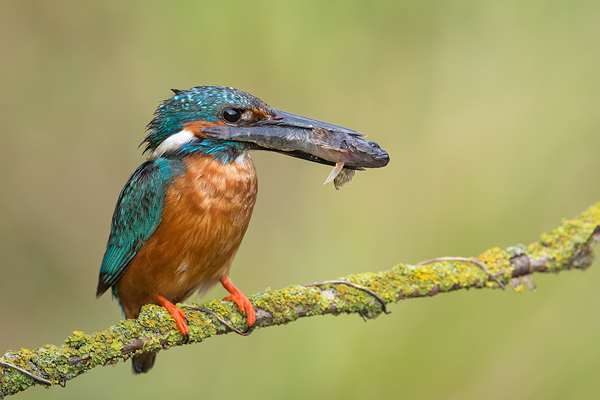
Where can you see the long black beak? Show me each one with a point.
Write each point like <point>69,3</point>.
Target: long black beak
<point>289,120</point>
<point>306,138</point>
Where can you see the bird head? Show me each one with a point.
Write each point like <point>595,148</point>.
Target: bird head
<point>180,119</point>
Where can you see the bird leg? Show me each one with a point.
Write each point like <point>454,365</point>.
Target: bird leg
<point>177,314</point>
<point>240,299</point>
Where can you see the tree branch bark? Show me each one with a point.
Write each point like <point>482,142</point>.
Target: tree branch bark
<point>567,247</point>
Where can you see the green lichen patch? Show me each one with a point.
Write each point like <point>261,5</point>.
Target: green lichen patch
<point>497,261</point>
<point>519,288</point>
<point>561,244</point>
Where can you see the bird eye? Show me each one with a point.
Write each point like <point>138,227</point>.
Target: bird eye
<point>374,145</point>
<point>231,115</point>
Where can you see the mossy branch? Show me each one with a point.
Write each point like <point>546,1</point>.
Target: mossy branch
<point>567,247</point>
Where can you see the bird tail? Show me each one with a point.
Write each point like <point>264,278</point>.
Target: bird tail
<point>143,362</point>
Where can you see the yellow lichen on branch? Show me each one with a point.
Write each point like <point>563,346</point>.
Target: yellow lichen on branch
<point>568,246</point>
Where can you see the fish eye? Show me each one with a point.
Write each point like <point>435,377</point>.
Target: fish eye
<point>232,115</point>
<point>374,145</point>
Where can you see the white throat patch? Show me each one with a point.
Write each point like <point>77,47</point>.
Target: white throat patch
<point>173,142</point>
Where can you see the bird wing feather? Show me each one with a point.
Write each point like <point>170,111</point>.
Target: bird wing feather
<point>136,217</point>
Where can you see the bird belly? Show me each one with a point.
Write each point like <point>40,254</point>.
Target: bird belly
<point>206,213</point>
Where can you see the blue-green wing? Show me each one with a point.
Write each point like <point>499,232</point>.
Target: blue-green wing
<point>137,215</point>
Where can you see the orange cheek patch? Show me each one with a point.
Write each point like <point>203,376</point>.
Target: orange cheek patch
<point>261,114</point>
<point>196,128</point>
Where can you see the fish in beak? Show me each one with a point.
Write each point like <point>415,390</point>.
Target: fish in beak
<point>311,140</point>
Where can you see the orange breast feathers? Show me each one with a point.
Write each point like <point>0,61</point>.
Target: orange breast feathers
<point>205,216</point>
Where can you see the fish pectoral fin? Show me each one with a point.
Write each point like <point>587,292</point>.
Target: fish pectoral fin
<point>338,167</point>
<point>344,178</point>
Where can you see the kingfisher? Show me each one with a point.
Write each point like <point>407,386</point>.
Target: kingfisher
<point>181,217</point>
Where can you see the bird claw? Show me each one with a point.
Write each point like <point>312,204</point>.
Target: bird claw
<point>244,305</point>
<point>177,314</point>
<point>240,299</point>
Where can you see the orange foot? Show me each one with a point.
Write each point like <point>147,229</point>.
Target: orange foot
<point>240,299</point>
<point>177,314</point>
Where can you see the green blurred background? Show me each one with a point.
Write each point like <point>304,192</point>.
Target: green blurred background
<point>489,110</point>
